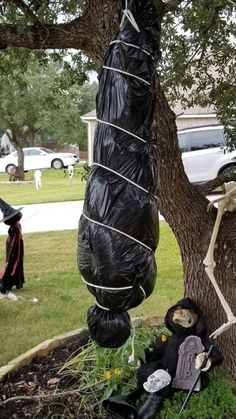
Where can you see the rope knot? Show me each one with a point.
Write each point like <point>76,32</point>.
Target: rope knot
<point>129,15</point>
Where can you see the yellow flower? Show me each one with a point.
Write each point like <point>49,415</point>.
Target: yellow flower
<point>117,371</point>
<point>163,338</point>
<point>108,374</point>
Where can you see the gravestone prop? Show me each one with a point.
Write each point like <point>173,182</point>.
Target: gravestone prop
<point>176,354</point>
<point>186,372</point>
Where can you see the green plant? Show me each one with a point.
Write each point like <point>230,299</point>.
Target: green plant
<point>101,371</point>
<point>85,172</point>
<point>216,401</point>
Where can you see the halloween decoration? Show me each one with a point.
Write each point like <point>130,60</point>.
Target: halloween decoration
<point>225,203</point>
<point>118,230</point>
<point>173,362</point>
<point>13,271</point>
<point>201,364</point>
<point>181,354</point>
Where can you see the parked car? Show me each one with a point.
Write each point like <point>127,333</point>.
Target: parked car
<point>204,152</point>
<point>38,158</point>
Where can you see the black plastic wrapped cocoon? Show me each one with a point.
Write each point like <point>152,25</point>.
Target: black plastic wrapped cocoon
<point>119,227</point>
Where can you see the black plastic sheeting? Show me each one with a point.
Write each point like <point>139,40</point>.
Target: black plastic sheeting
<point>119,228</point>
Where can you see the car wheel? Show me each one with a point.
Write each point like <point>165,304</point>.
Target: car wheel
<point>9,168</point>
<point>57,164</point>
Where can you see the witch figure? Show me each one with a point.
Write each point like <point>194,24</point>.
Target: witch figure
<point>12,274</point>
<point>119,229</point>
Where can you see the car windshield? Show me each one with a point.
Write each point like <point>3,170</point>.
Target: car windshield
<point>47,150</point>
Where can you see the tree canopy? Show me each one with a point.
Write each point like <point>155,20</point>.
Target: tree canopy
<point>39,103</point>
<point>198,44</point>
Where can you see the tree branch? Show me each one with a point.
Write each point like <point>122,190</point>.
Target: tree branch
<point>227,176</point>
<point>161,7</point>
<point>90,32</point>
<point>171,6</point>
<point>27,11</point>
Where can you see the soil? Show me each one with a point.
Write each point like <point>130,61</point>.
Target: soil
<point>41,376</point>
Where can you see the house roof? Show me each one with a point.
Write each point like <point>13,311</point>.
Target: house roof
<point>89,115</point>
<point>178,110</point>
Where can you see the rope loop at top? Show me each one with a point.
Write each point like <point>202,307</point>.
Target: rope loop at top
<point>129,15</point>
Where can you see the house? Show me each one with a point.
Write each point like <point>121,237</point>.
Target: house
<point>185,118</point>
<point>6,146</point>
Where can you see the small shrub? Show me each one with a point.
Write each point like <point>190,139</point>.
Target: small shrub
<point>85,172</point>
<point>100,371</point>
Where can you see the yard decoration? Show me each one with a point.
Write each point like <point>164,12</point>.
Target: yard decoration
<point>172,362</point>
<point>225,203</point>
<point>13,271</point>
<point>119,228</point>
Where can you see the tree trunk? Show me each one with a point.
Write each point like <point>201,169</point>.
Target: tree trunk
<point>31,136</point>
<point>14,139</point>
<point>184,207</point>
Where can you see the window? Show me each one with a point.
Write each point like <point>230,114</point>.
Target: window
<point>47,150</point>
<point>184,142</point>
<point>34,152</point>
<point>26,152</point>
<point>207,139</point>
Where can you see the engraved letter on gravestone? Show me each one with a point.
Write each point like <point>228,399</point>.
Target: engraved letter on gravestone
<point>186,371</point>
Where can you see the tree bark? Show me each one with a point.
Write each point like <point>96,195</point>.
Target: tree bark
<point>184,207</point>
<point>15,135</point>
<point>82,33</point>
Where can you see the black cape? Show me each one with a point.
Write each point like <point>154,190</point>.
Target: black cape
<point>13,270</point>
<point>164,354</point>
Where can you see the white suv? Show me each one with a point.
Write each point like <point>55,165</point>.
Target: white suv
<point>204,152</point>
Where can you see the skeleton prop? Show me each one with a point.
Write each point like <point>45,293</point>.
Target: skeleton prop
<point>225,203</point>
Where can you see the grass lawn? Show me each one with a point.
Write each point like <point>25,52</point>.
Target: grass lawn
<point>56,187</point>
<point>51,276</point>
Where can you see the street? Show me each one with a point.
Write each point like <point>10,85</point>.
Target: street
<point>55,216</point>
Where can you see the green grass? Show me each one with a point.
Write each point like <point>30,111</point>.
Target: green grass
<point>51,276</point>
<point>216,401</point>
<point>56,187</point>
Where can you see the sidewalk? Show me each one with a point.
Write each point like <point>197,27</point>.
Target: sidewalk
<point>48,217</point>
<point>54,216</point>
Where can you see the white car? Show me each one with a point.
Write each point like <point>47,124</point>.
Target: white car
<point>204,152</point>
<point>38,158</point>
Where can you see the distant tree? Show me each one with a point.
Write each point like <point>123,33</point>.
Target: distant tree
<point>41,100</point>
<point>64,121</point>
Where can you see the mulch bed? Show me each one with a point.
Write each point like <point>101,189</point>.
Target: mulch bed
<point>40,377</point>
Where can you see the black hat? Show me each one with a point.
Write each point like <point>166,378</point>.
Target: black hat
<point>8,211</point>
